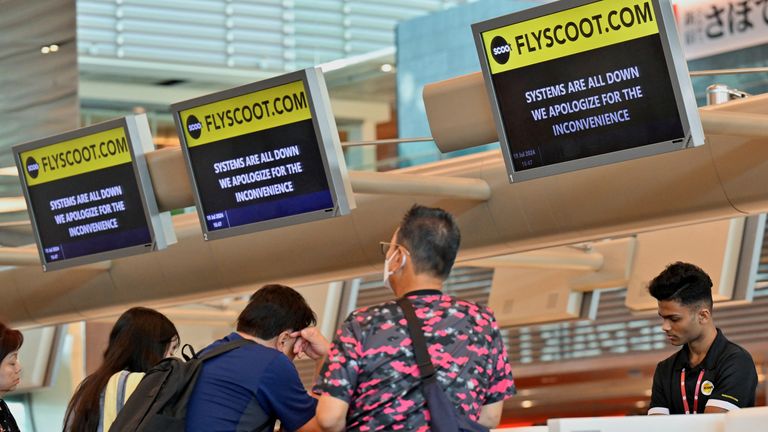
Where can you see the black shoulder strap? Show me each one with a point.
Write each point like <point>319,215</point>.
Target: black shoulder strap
<point>192,354</point>
<point>426,368</point>
<point>222,348</point>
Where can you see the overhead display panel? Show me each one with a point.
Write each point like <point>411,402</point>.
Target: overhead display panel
<point>264,155</point>
<point>89,194</point>
<point>580,83</point>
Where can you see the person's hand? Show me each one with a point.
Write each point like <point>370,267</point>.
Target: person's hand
<point>310,343</point>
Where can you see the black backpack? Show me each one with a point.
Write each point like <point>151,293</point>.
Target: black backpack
<point>444,416</point>
<point>159,402</point>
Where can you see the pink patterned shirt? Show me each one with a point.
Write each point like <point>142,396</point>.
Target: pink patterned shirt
<point>371,364</point>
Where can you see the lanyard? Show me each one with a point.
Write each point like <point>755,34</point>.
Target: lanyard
<point>695,394</point>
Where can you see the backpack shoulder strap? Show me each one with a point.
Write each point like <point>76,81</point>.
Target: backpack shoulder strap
<point>119,388</point>
<point>144,396</point>
<point>426,368</point>
<point>223,348</point>
<point>192,354</point>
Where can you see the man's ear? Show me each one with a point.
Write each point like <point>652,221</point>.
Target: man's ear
<point>283,338</point>
<point>397,260</point>
<point>704,314</point>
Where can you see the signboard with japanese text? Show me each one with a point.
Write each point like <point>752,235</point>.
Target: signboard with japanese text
<point>89,194</point>
<point>710,27</point>
<point>264,155</point>
<point>575,84</point>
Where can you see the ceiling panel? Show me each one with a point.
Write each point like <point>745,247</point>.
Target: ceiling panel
<point>38,92</point>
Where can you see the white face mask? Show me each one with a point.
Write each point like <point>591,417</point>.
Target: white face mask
<point>388,273</point>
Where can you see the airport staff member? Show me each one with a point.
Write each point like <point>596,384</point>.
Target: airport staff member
<point>709,374</point>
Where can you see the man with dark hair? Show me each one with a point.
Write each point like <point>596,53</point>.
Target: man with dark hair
<point>709,374</point>
<point>371,380</point>
<point>249,388</point>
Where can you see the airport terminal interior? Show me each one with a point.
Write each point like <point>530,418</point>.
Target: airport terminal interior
<point>561,253</point>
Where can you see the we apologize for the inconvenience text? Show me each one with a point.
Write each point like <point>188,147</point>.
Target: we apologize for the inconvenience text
<point>552,102</point>
<point>102,202</point>
<point>275,176</point>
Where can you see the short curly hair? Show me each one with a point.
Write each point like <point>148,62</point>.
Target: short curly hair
<point>683,282</point>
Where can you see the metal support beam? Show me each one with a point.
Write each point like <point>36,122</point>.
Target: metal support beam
<point>386,141</point>
<point>733,123</point>
<point>19,256</point>
<point>548,258</point>
<point>28,256</point>
<point>173,190</point>
<point>415,184</point>
<point>470,124</point>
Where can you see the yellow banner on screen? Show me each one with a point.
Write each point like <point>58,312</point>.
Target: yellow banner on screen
<point>240,115</point>
<point>76,156</point>
<point>568,32</point>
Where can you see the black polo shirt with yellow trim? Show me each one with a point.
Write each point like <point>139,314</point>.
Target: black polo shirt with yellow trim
<point>729,381</point>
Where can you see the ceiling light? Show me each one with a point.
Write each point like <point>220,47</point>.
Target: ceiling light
<point>54,48</point>
<point>526,404</point>
<point>386,67</point>
<point>640,404</point>
<point>45,50</point>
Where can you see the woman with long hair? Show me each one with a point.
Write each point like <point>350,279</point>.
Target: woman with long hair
<point>10,373</point>
<point>140,338</point>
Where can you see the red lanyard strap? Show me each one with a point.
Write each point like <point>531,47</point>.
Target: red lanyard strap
<point>695,393</point>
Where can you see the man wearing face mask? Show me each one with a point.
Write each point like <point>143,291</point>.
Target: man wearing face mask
<point>371,380</point>
<point>249,388</point>
<point>709,374</point>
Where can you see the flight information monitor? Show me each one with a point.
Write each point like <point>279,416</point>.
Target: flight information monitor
<point>575,84</point>
<point>264,155</point>
<point>89,194</point>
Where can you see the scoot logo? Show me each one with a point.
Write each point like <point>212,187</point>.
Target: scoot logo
<point>32,167</point>
<point>194,127</point>
<point>707,387</point>
<point>500,50</point>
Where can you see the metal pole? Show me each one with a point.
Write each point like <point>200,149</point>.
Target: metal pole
<point>728,71</point>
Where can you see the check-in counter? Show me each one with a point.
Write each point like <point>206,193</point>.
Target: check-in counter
<point>524,429</point>
<point>745,420</point>
<point>674,423</point>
